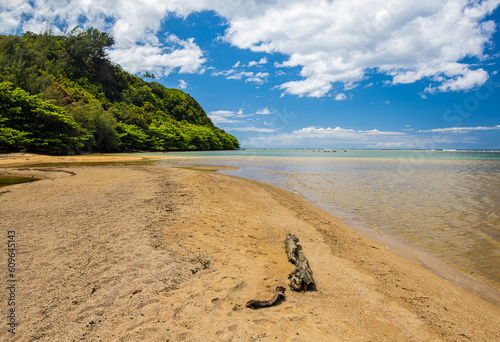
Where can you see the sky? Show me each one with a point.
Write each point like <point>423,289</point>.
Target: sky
<point>308,74</point>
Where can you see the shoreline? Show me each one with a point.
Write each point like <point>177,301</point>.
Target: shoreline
<point>483,286</point>
<point>209,242</point>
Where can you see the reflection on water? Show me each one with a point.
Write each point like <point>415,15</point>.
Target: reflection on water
<point>11,180</point>
<point>450,206</point>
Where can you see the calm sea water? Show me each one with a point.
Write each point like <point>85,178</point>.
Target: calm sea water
<point>444,202</point>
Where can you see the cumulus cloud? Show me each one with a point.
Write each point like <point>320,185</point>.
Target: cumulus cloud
<point>338,132</point>
<point>241,122</point>
<point>339,41</point>
<point>262,61</point>
<point>341,137</point>
<point>183,84</point>
<point>259,78</point>
<point>326,137</point>
<point>224,116</point>
<point>319,136</point>
<point>135,26</point>
<point>340,97</point>
<point>264,111</point>
<point>229,116</point>
<point>248,76</point>
<point>183,55</point>
<point>11,13</point>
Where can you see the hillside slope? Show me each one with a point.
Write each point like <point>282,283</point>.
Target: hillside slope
<point>102,107</point>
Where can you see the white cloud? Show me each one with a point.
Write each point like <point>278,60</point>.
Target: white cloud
<point>251,129</point>
<point>227,116</point>
<point>325,137</point>
<point>467,80</point>
<point>461,130</point>
<point>330,41</point>
<point>222,117</point>
<point>392,145</point>
<point>249,76</point>
<point>182,55</point>
<point>183,84</point>
<point>341,137</point>
<point>339,41</point>
<point>11,12</point>
<point>341,134</point>
<point>237,72</point>
<point>340,97</point>
<point>319,132</point>
<point>264,111</point>
<point>240,121</point>
<point>134,24</point>
<point>259,78</point>
<point>262,61</point>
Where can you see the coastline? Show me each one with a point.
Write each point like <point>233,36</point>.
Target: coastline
<point>483,287</point>
<point>132,252</point>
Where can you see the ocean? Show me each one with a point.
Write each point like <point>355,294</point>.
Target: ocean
<point>446,203</point>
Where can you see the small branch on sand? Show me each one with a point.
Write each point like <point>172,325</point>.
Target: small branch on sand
<point>301,278</point>
<point>278,297</point>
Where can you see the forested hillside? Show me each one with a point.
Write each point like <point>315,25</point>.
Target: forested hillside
<point>61,94</point>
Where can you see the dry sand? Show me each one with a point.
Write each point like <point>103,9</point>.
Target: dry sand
<point>143,253</point>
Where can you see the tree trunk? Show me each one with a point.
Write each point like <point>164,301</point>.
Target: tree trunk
<point>301,278</point>
<point>278,297</point>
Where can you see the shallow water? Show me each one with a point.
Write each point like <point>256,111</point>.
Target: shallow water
<point>448,207</point>
<point>444,202</point>
<point>11,180</point>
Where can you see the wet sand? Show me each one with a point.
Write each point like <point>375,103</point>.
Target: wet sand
<point>136,253</point>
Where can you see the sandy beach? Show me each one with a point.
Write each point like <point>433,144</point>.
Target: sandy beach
<point>146,253</point>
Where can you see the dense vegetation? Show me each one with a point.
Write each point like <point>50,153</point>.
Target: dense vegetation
<point>61,94</point>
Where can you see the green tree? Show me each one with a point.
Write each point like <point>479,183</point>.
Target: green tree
<point>111,108</point>
<point>228,141</point>
<point>11,139</point>
<point>20,64</point>
<point>94,121</point>
<point>41,125</point>
<point>167,136</point>
<point>132,137</point>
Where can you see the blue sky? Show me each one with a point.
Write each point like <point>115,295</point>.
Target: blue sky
<point>320,74</point>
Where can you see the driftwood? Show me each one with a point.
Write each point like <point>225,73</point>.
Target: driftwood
<point>279,295</point>
<point>301,278</point>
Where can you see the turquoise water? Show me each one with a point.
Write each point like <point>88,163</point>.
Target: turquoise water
<point>444,202</point>
<point>349,153</point>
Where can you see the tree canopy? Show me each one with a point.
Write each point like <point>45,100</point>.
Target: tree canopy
<point>61,94</point>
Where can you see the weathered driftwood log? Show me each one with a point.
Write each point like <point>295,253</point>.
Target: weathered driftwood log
<point>301,278</point>
<point>279,295</point>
